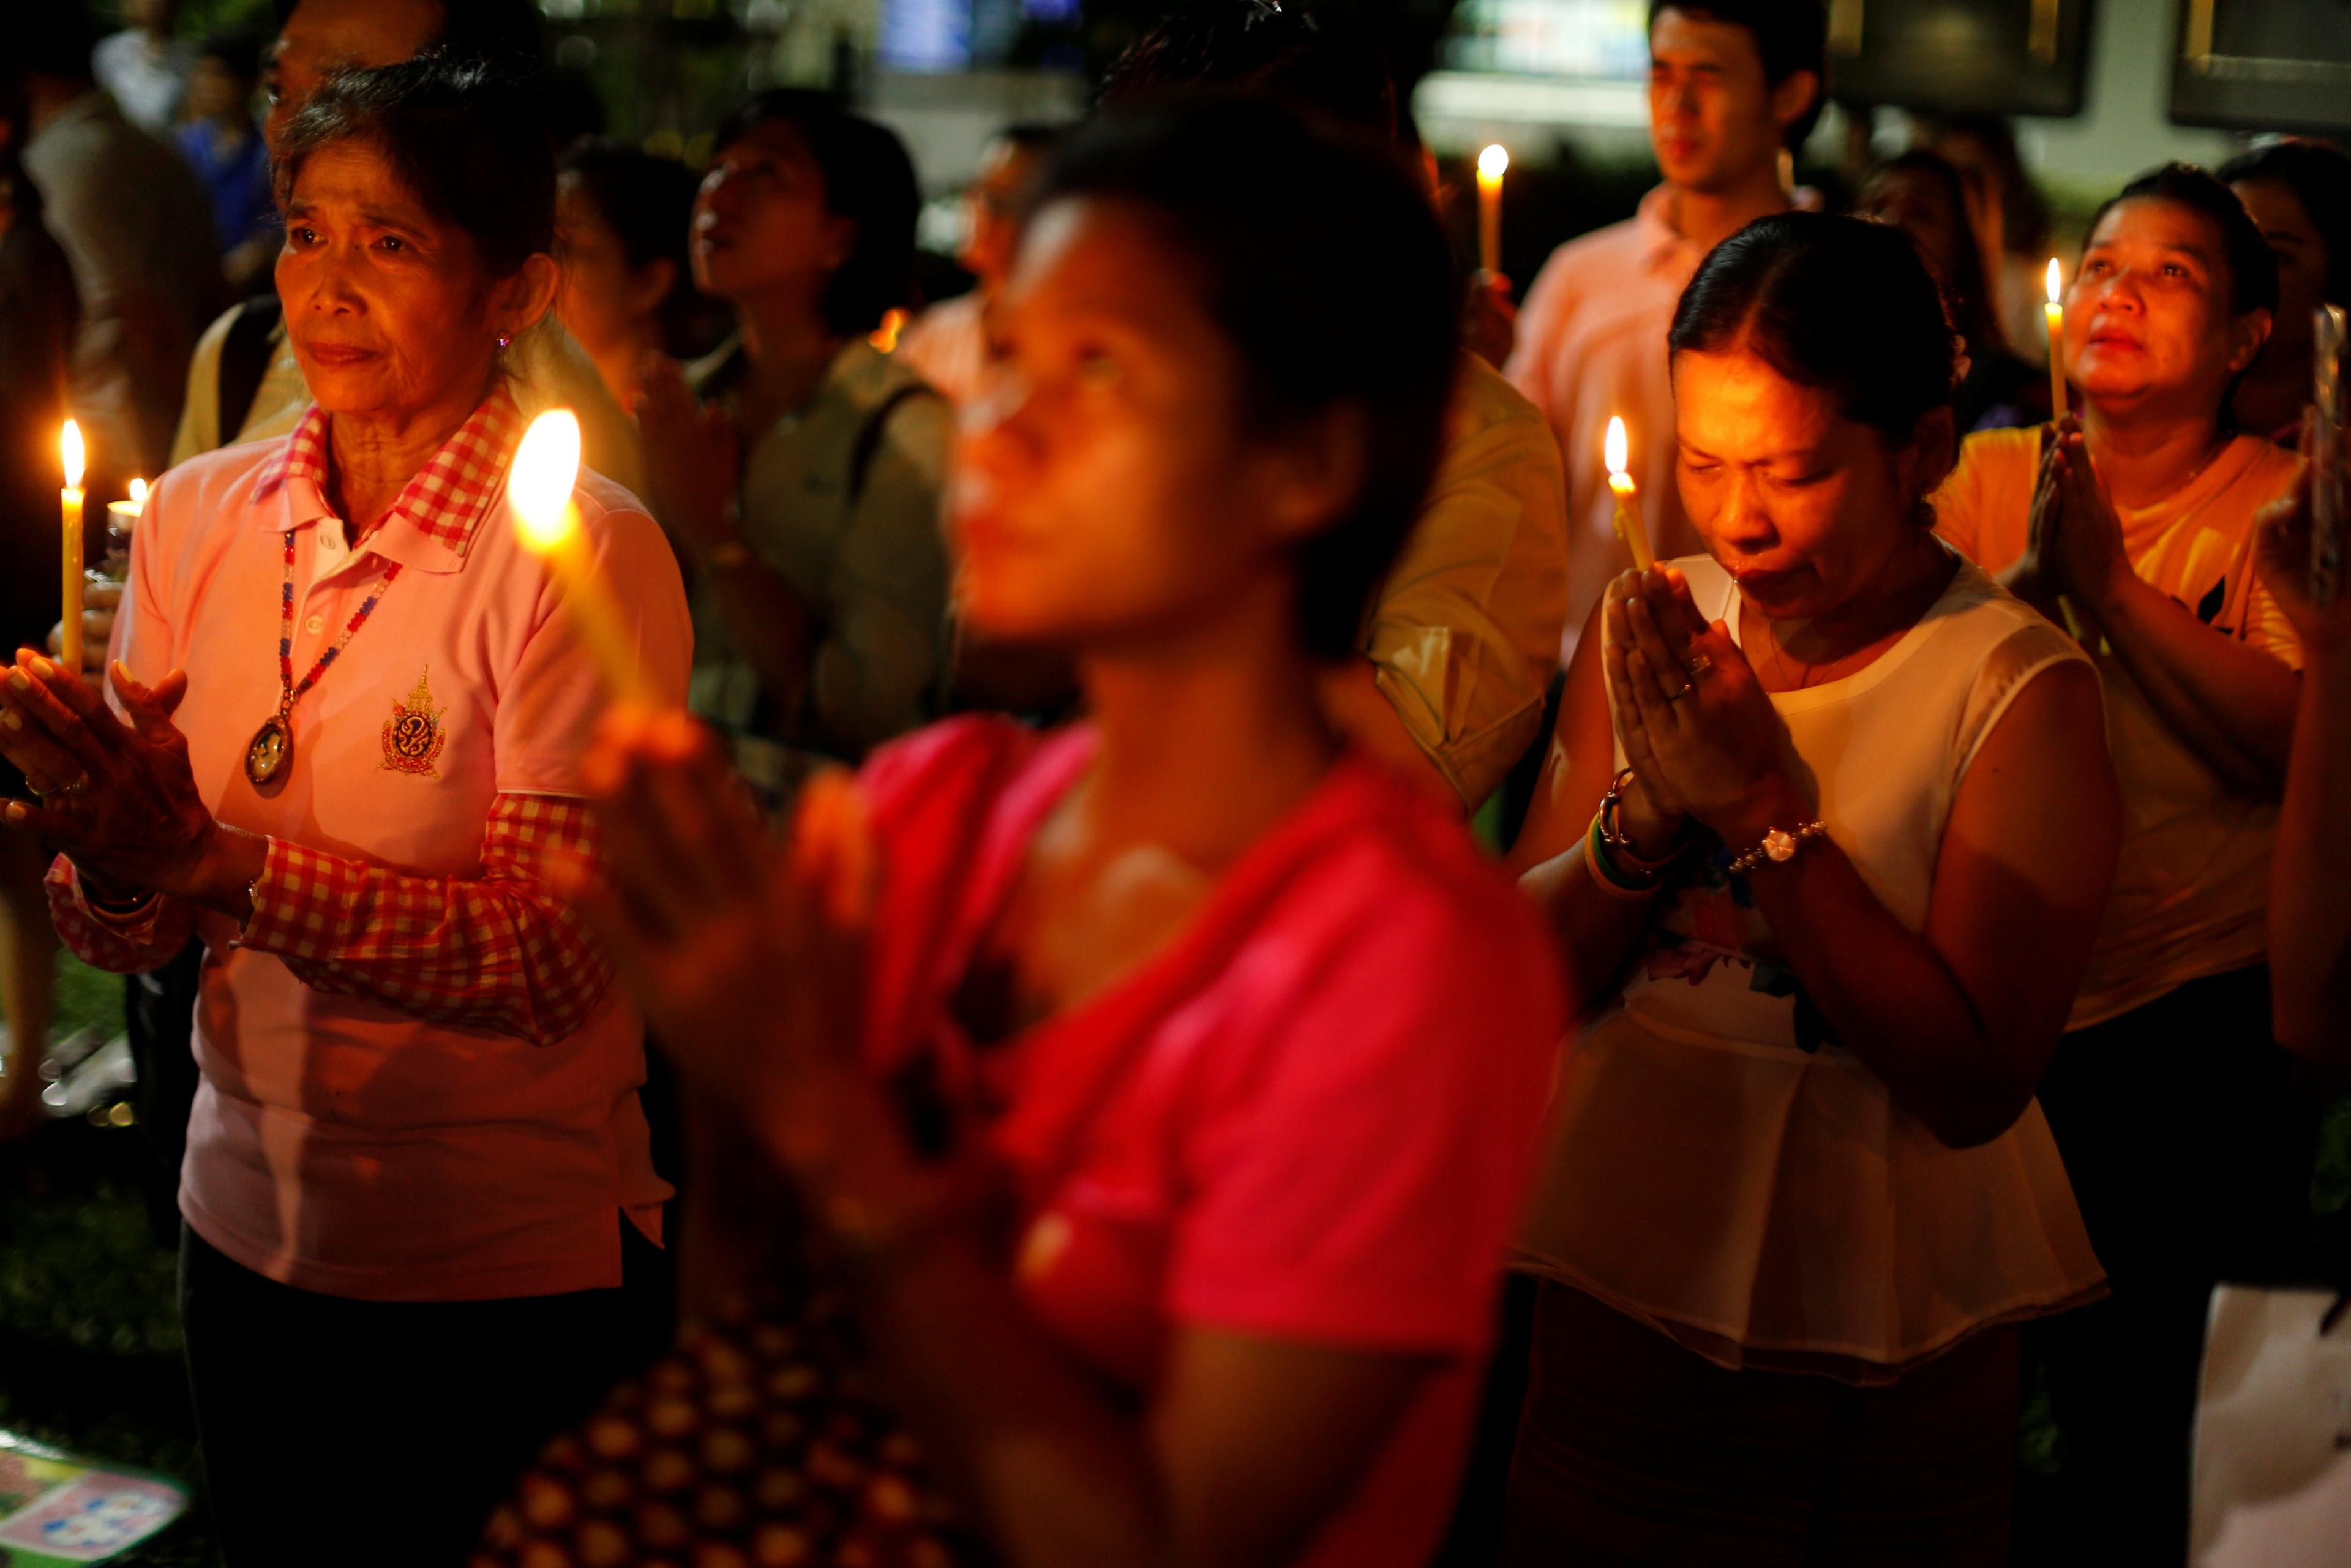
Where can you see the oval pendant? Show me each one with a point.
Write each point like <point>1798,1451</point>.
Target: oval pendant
<point>271,749</point>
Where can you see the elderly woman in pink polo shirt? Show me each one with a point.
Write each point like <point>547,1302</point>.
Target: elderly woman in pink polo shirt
<point>345,723</point>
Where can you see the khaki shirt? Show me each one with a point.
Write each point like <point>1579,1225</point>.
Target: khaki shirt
<point>544,366</point>
<point>1466,631</point>
<point>870,566</point>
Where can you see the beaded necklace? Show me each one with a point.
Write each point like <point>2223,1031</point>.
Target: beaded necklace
<point>272,747</point>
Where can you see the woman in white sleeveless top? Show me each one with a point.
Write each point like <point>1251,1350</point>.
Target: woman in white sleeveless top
<point>1827,924</point>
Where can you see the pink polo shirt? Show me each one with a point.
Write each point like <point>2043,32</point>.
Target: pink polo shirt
<point>1591,343</point>
<point>1310,1117</point>
<point>339,1144</point>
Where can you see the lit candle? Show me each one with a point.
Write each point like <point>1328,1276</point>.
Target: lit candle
<point>546,468</point>
<point>1630,527</point>
<point>886,335</point>
<point>1491,163</point>
<point>123,517</point>
<point>2055,312</point>
<point>69,498</point>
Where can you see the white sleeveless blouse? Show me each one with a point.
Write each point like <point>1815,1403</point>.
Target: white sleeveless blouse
<point>1721,1169</point>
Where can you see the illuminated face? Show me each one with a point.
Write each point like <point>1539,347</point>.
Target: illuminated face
<point>760,220</point>
<point>1103,490</point>
<point>1804,506</point>
<point>1714,122</point>
<point>2147,322</point>
<point>390,309</point>
<point>2301,260</point>
<point>322,37</point>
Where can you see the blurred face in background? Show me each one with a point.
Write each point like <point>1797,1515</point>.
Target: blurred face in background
<point>1104,490</point>
<point>1806,508</point>
<point>324,36</point>
<point>991,210</point>
<point>1920,207</point>
<point>1714,122</point>
<point>2302,261</point>
<point>760,224</point>
<point>605,303</point>
<point>2148,317</point>
<point>217,92</point>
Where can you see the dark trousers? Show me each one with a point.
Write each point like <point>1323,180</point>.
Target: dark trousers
<point>1634,1451</point>
<point>364,1433</point>
<point>2189,1155</point>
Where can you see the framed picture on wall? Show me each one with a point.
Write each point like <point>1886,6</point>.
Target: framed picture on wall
<point>1968,56</point>
<point>2264,65</point>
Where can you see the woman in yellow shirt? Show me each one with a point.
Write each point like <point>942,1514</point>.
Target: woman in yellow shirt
<point>2170,1103</point>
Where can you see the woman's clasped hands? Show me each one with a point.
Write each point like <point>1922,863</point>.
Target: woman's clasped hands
<point>747,955</point>
<point>116,797</point>
<point>1698,730</point>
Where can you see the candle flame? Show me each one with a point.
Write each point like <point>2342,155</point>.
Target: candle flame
<point>138,494</point>
<point>546,467</point>
<point>1613,449</point>
<point>2056,282</point>
<point>70,446</point>
<point>1493,161</point>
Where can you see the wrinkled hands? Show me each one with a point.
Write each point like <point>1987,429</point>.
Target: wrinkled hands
<point>119,799</point>
<point>2075,546</point>
<point>747,956</point>
<point>1698,730</point>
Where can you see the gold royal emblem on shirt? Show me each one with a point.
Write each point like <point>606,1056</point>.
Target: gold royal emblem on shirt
<point>412,736</point>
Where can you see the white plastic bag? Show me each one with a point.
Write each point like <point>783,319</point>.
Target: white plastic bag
<point>2274,1431</point>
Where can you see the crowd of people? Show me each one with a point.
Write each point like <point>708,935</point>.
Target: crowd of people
<point>1021,947</point>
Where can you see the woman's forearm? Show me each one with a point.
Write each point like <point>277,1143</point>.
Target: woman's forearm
<point>2233,703</point>
<point>2310,916</point>
<point>1594,932</point>
<point>1891,1000</point>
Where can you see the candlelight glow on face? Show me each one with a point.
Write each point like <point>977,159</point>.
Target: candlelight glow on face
<point>546,468</point>
<point>70,448</point>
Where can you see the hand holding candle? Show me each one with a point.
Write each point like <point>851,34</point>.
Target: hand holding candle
<point>1630,527</point>
<point>1491,163</point>
<point>2054,313</point>
<point>69,498</point>
<point>546,468</point>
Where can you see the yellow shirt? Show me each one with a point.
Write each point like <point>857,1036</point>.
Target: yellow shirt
<point>1466,631</point>
<point>2191,893</point>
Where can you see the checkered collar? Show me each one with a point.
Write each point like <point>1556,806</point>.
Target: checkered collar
<point>433,524</point>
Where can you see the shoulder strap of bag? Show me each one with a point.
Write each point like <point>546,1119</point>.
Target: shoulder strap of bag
<point>244,360</point>
<point>870,433</point>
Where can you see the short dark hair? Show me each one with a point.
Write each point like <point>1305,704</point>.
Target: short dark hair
<point>648,203</point>
<point>2252,269</point>
<point>1790,36</point>
<point>505,31</point>
<point>462,134</point>
<point>1973,312</point>
<point>1254,195</point>
<point>1321,59</point>
<point>2319,175</point>
<point>869,180</point>
<point>1791,286</point>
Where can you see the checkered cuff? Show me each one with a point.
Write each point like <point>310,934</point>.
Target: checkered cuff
<point>120,941</point>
